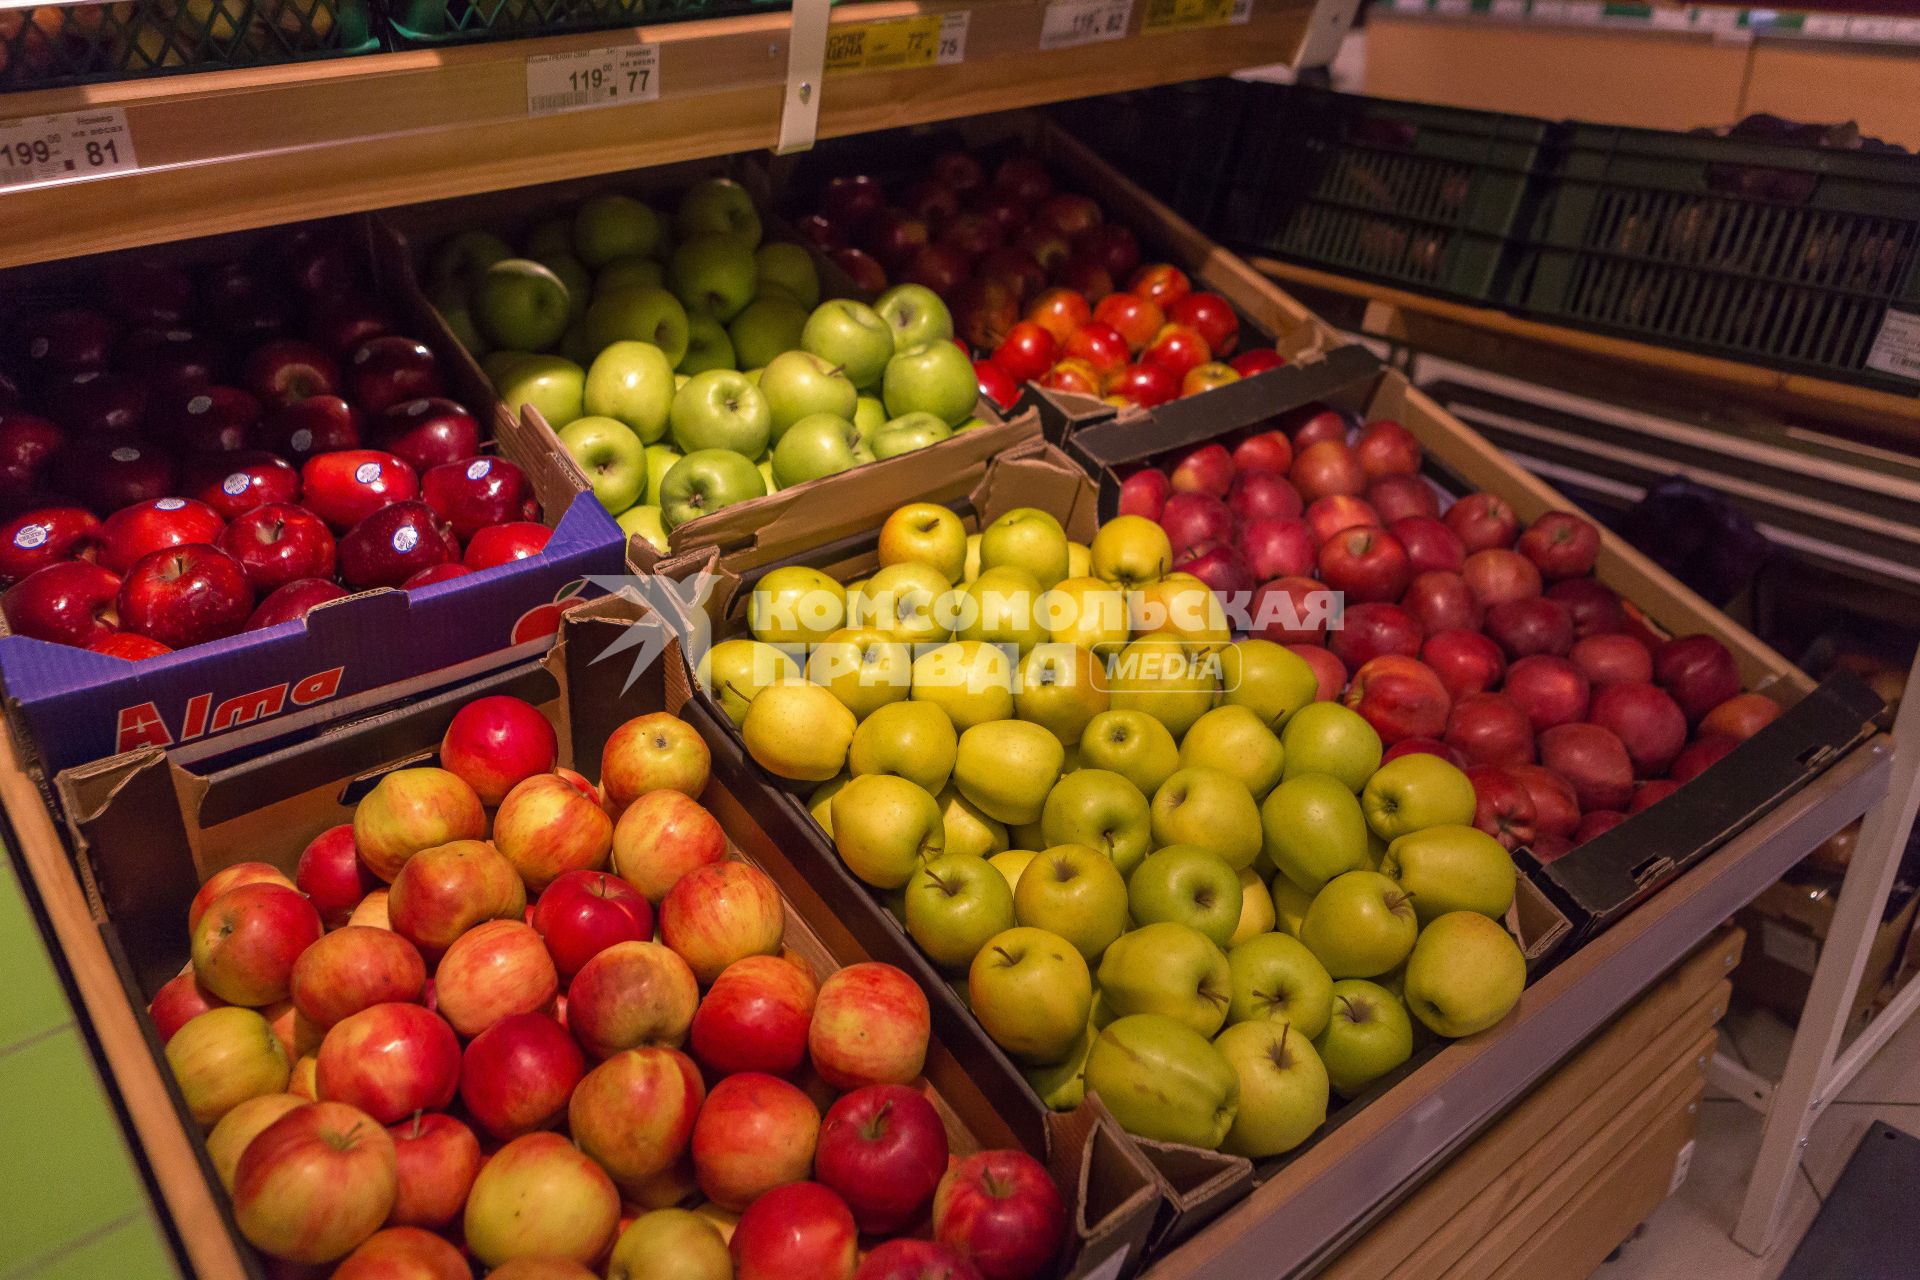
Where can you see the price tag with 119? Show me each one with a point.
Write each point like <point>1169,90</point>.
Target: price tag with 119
<point>592,78</point>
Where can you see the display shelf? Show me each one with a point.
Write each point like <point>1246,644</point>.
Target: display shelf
<point>223,151</point>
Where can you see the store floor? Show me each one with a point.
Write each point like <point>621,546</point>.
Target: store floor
<point>1688,1235</point>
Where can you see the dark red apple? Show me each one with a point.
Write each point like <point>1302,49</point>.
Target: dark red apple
<point>1263,451</point>
<point>94,402</point>
<point>1082,272</point>
<point>437,573</point>
<point>74,602</point>
<point>27,448</point>
<point>1421,747</point>
<point>1372,630</point>
<point>985,313</point>
<point>1045,246</point>
<point>1367,565</point>
<point>1595,606</point>
<point>1441,601</point>
<point>288,370</point>
<point>884,1149</point>
<point>931,201</point>
<point>1113,246</point>
<point>867,275</point>
<point>1015,268</point>
<point>243,303</point>
<point>1293,610</point>
<point>428,432</point>
<point>1262,495</point>
<point>279,543</point>
<point>1597,822</point>
<point>517,1075</point>
<point>108,474</point>
<point>171,359</point>
<point>1145,385</point>
<point>1326,468</point>
<point>1218,565</point>
<point>1701,754</point>
<point>1612,658</point>
<point>1503,807</point>
<point>344,488</point>
<point>133,532</point>
<point>820,231</point>
<point>1385,448</point>
<point>500,544</point>
<point>1027,351</point>
<point>1698,671</point>
<point>292,602</point>
<point>1530,626</point>
<point>391,544</point>
<point>1430,544</point>
<point>1404,497</point>
<point>70,339</point>
<point>390,370</point>
<point>186,595</point>
<point>1497,576</point>
<point>344,321</point>
<point>234,483</point>
<point>995,383</point>
<point>316,425</point>
<point>1561,545</point>
<point>1556,809</point>
<point>44,536</point>
<point>1328,516</point>
<point>1592,759</point>
<point>209,419</point>
<point>1400,697</point>
<point>1481,520</point>
<point>1002,1210</point>
<point>971,234</point>
<point>852,199</point>
<point>893,238</point>
<point>146,292</point>
<point>1645,719</point>
<point>1490,729</point>
<point>476,492</point>
<point>1550,690</point>
<point>1277,548</point>
<point>1193,518</point>
<point>940,267</point>
<point>1465,660</point>
<point>1651,792</point>
<point>1145,493</point>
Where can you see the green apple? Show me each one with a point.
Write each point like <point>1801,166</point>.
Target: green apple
<point>798,384</point>
<point>734,672</point>
<point>1007,767</point>
<point>705,481</point>
<point>970,829</point>
<point>633,383</point>
<point>612,458</point>
<point>1290,903</point>
<point>956,903</point>
<point>917,316</point>
<point>453,300</point>
<point>1163,1081</point>
<point>520,305</point>
<point>1086,611</point>
<point>644,522</point>
<point>1032,993</point>
<point>639,313</point>
<point>787,273</point>
<point>713,275</point>
<point>970,681</point>
<point>1415,792</point>
<point>1237,742</point>
<point>1130,552</point>
<point>629,271</point>
<point>1062,1085</point>
<point>708,346</point>
<point>1256,908</point>
<point>1061,688</point>
<point>1167,968</point>
<point>852,335</point>
<point>885,827</point>
<point>1360,926</point>
<point>1000,607</point>
<point>798,730</point>
<point>1277,979</point>
<point>819,445</point>
<point>869,415</point>
<point>1283,1088</point>
<point>1270,680</point>
<point>1132,744</point>
<point>914,740</point>
<point>1325,737</point>
<point>720,409</point>
<point>1210,809</point>
<point>1098,807</point>
<point>607,227</point>
<point>936,378</point>
<point>864,668</point>
<point>718,206</point>
<point>907,433</point>
<point>1012,863</point>
<point>796,605</point>
<point>1452,868</point>
<point>1073,891</point>
<point>1169,679</point>
<point>466,257</point>
<point>549,385</point>
<point>574,276</point>
<point>910,600</point>
<point>660,460</point>
<point>1187,884</point>
<point>1368,1035</point>
<point>1026,538</point>
<point>1313,830</point>
<point>925,533</point>
<point>1464,975</point>
<point>766,327</point>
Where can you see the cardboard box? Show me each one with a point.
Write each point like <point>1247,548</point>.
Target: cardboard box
<point>1789,923</point>
<point>147,831</point>
<point>68,706</point>
<point>1268,315</point>
<point>1605,877</point>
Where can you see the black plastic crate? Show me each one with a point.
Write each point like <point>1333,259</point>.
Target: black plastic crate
<point>1176,141</point>
<point>1400,192</point>
<point>52,45</point>
<point>441,22</point>
<point>1783,255</point>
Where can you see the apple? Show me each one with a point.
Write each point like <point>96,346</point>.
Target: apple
<point>201,418</point>
<point>75,602</point>
<point>288,370</point>
<point>766,327</point>
<point>1368,565</point>
<point>1561,545</point>
<point>1191,519</point>
<point>428,432</point>
<point>1503,807</point>
<point>1160,283</point>
<point>1002,1212</point>
<point>1032,992</point>
<point>178,1001</point>
<point>410,1252</point>
<point>315,425</point>
<point>861,267</point>
<point>1482,521</point>
<point>631,995</point>
<point>390,1060</point>
<point>1451,867</point>
<point>1550,690</point>
<point>386,371</point>
<point>935,378</point>
<point>181,596</point>
<point>71,338</point>
<point>707,480</point>
<point>1027,351</point>
<point>1293,610</point>
<point>1405,497</point>
<point>240,1126</point>
<point>1612,658</point>
<point>546,828</point>
<point>1360,925</point>
<point>1283,1088</point>
<point>495,969</point>
<point>1698,671</point>
<point>1741,716</point>
<point>1464,975</point>
<point>718,206</point>
<point>391,545</point>
<point>1331,740</point>
<point>1262,495</point>
<point>1210,809</point>
<point>238,482</point>
<point>1593,760</point>
<point>800,1229</point>
<point>1178,348</point>
<point>1210,315</point>
<point>1374,630</point>
<point>915,1260</point>
<point>47,535</point>
<point>883,1149</point>
<point>718,913</point>
<point>1465,661</point>
<point>755,1017</point>
<point>798,730</point>
<point>1368,1035</point>
<point>755,1132</point>
<point>1077,893</point>
<point>635,1113</point>
<point>1490,729</point>
<point>1078,378</point>
<point>437,1159</point>
<point>870,1026</point>
<point>1167,968</point>
<point>635,312</point>
<point>689,1245</point>
<point>1530,626</point>
<point>1414,793</point>
<point>315,1183</point>
<point>541,1196</point>
<point>1556,808</point>
<point>1499,576</point>
<point>496,742</point>
<point>787,268</point>
<point>1163,1081</point>
<point>355,968</point>
<point>1649,724</point>
<point>996,384</point>
<point>1190,885</point>
<point>852,336</point>
<point>446,889</point>
<point>1701,754</point>
<point>1441,601</point>
<point>246,942</point>
<point>1595,607</point>
<point>106,474</point>
<point>278,543</point>
<point>1338,512</point>
<point>915,313</point>
<point>583,912</point>
<point>660,837</point>
<point>224,1056</point>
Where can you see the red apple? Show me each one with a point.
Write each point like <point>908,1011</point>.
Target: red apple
<point>238,482</point>
<point>1330,515</point>
<point>386,371</point>
<point>940,267</point>
<point>1550,690</point>
<point>1612,658</point>
<point>1060,312</point>
<point>1210,315</point>
<point>1258,360</point>
<point>446,889</point>
<point>1263,451</point>
<point>1385,448</point>
<point>755,1017</point>
<point>1700,755</point>
<point>582,913</point>
<point>1074,377</point>
<point>1741,716</point>
<point>392,543</point>
<point>477,492</point>
<point>1192,518</point>
<point>178,1001</point>
<point>870,1026</point>
<point>1132,317</point>
<point>1368,565</point>
<point>1014,268</point>
<point>1530,626</point>
<point>346,487</point>
<point>185,595</point>
<point>1651,792</point>
<point>1294,610</point>
<point>435,573</point>
<point>1441,601</point>
<point>518,1074</point>
<point>1465,660</point>
<point>1330,674</point>
<point>494,970</point>
<point>330,874</point>
<point>1161,284</point>
<point>972,234</point>
<point>1556,809</point>
<point>893,238</point>
<point>44,536</point>
<point>651,752</point>
<point>133,648</point>
<point>1498,576</point>
<point>1595,606</point>
<point>662,836</point>
<point>1597,822</point>
<point>1404,497</point>
<point>134,532</point>
<point>494,743</point>
<point>1045,246</point>
<point>1326,468</point>
<point>1698,671</point>
<point>718,913</point>
<point>820,231</point>
<point>355,968</point>
<point>1400,697</point>
<point>1646,720</point>
<point>96,403</point>
<point>1145,385</point>
<point>227,879</point>
<point>245,303</point>
<point>436,1158</point>
<point>209,419</point>
<point>1421,747</point>
<point>27,448</point>
<point>1593,761</point>
<point>288,370</point>
<point>995,383</point>
<point>1178,348</point>
<point>144,291</point>
<point>884,1150</point>
<point>756,1132</point>
<point>632,995</point>
<point>246,942</point>
<point>1101,346</point>
<point>1277,548</point>
<point>1003,1212</point>
<point>867,275</point>
<point>931,201</point>
<point>1218,565</point>
<point>306,428</point>
<point>1372,630</point>
<point>1503,807</point>
<point>1145,493</point>
<point>1481,520</point>
<point>428,432</point>
<point>1561,545</point>
<point>850,200</point>
<point>343,321</point>
<point>293,601</point>
<point>1113,246</point>
<point>915,1260</point>
<point>801,1229</point>
<point>1084,274</point>
<point>390,1060</point>
<point>1313,424</point>
<point>501,544</point>
<point>315,1183</point>
<point>278,544</point>
<point>70,339</point>
<point>1027,351</point>
<point>1490,729</point>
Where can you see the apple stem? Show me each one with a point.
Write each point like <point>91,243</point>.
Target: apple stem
<point>734,689</point>
<point>413,1130</point>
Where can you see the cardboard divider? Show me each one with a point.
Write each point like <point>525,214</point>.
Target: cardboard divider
<point>146,832</point>
<point>68,706</point>
<point>1601,879</point>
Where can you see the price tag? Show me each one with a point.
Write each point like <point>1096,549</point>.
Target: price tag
<point>932,40</point>
<point>1825,26</point>
<point>1896,348</point>
<point>1186,15</point>
<point>592,78</point>
<point>44,150</point>
<point>1069,23</point>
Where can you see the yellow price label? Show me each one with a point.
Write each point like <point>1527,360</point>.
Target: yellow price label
<point>933,39</point>
<point>1181,15</point>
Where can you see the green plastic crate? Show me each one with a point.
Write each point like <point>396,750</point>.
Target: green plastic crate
<point>1400,192</point>
<point>441,22</point>
<point>52,45</point>
<point>1782,255</point>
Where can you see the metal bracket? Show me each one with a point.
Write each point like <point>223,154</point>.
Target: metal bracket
<point>1328,26</point>
<point>806,74</point>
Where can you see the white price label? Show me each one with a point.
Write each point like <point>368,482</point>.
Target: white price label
<point>44,150</point>
<point>591,78</point>
<point>1896,348</point>
<point>953,38</point>
<point>1825,26</point>
<point>1069,23</point>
